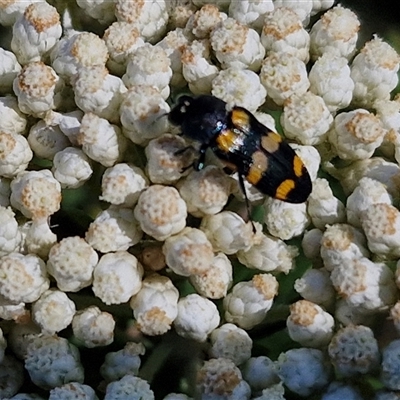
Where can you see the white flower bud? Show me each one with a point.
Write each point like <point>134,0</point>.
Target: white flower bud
<point>248,302</point>
<point>93,327</point>
<point>12,120</point>
<point>250,13</point>
<point>71,263</point>
<point>390,366</point>
<point>100,140</point>
<point>100,10</point>
<point>36,32</point>
<point>136,387</point>
<point>114,229</point>
<point>11,11</point>
<point>309,325</point>
<point>197,317</point>
<point>22,278</point>
<point>311,245</point>
<point>38,89</point>
<point>161,211</point>
<point>71,167</point>
<point>69,123</point>
<point>239,87</point>
<point>15,154</point>
<point>283,75</point>
<point>155,306</point>
<point>117,277</point>
<point>53,311</point>
<point>10,236</point>
<point>76,389</point>
<point>204,20</point>
<point>122,184</point>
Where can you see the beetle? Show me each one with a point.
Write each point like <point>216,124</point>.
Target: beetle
<point>245,145</point>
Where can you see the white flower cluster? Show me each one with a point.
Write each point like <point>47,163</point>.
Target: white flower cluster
<point>108,236</point>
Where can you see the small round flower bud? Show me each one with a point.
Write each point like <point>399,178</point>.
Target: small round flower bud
<point>71,263</point>
<point>53,311</point>
<point>12,120</point>
<point>250,13</point>
<point>114,229</point>
<point>72,389</point>
<point>117,277</point>
<point>155,306</point>
<point>311,245</point>
<point>137,387</point>
<point>189,252</point>
<point>71,167</point>
<point>36,194</point>
<point>93,327</point>
<point>15,154</point>
<point>161,211</point>
<point>122,184</point>
<point>100,10</point>
<point>197,317</point>
<point>204,20</point>
<point>10,236</point>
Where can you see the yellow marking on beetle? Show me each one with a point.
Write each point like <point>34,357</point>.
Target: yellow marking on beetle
<point>271,142</point>
<point>284,189</point>
<point>298,166</point>
<point>227,140</point>
<point>258,167</point>
<point>240,118</point>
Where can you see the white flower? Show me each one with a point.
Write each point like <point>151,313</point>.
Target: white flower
<point>122,39</point>
<point>76,389</point>
<point>197,67</point>
<point>149,66</point>
<point>93,327</point>
<point>205,191</point>
<point>36,194</point>
<point>10,236</point>
<point>302,8</point>
<point>283,75</point>
<point>141,114</point>
<point>340,244</point>
<point>330,79</point>
<point>311,245</point>
<point>369,191</point>
<point>122,362</point>
<point>390,365</point>
<point>52,361</point>
<point>53,311</point>
<point>100,10</point>
<point>69,123</point>
<point>117,277</point>
<point>336,32</point>
<point>9,69</point>
<point>46,140</point>
<point>36,32</point>
<point>38,89</point>
<point>155,306</point>
<point>374,72</point>
<point>168,158</point>
<point>282,31</point>
<point>76,50</point>
<point>22,278</point>
<point>220,378</point>
<point>239,87</point>
<point>381,224</point>
<point>229,341</point>
<point>197,317</point>
<point>71,167</point>
<point>204,20</point>
<point>215,282</point>
<point>11,312</point>
<point>137,387</point>
<point>161,212</point>
<point>364,284</point>
<point>354,350</point>
<point>270,254</point>
<point>316,286</point>
<point>292,221</point>
<point>309,325</point>
<point>71,263</point>
<point>100,140</point>
<point>10,12</point>
<point>306,118</point>
<point>356,134</point>
<point>15,154</point>
<point>114,229</point>
<point>248,302</point>
<point>304,371</point>
<point>96,91</point>
<point>323,207</point>
<point>189,252</point>
<point>236,45</point>
<point>150,17</point>
<point>227,232</point>
<point>12,120</point>
<point>250,12</point>
<point>122,184</point>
